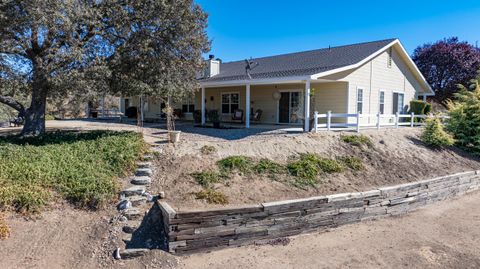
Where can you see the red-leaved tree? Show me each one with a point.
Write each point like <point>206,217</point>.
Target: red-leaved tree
<point>447,63</point>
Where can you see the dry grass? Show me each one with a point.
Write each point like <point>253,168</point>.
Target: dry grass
<point>4,228</point>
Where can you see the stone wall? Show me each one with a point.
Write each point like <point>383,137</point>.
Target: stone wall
<point>190,231</point>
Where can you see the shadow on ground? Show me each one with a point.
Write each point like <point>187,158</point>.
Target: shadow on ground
<point>150,234</point>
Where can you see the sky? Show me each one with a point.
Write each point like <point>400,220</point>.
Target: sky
<point>241,29</point>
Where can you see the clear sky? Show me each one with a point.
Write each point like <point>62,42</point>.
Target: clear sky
<point>242,29</point>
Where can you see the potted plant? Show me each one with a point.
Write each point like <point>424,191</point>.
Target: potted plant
<point>173,135</point>
<point>214,117</point>
<point>197,116</point>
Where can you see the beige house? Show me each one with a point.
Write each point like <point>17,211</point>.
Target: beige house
<point>366,78</point>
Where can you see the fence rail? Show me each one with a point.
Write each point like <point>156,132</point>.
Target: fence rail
<point>395,120</point>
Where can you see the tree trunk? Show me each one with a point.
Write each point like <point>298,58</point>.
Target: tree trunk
<point>35,114</point>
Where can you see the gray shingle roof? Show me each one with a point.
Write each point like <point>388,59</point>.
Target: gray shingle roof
<point>300,63</point>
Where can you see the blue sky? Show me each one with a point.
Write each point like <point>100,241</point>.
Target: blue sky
<point>241,29</point>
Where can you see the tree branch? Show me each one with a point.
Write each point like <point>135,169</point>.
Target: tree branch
<point>11,102</point>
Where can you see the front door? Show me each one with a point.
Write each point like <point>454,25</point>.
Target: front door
<point>290,107</point>
<point>284,108</point>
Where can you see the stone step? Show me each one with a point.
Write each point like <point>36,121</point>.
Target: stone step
<point>130,227</point>
<point>124,204</point>
<point>132,253</point>
<point>144,164</point>
<point>142,180</point>
<point>132,213</point>
<point>147,157</point>
<point>135,190</point>
<point>141,172</point>
<point>137,200</point>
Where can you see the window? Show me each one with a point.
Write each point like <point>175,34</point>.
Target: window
<point>398,102</point>
<point>389,60</point>
<point>360,101</point>
<point>188,106</point>
<point>230,102</point>
<point>381,102</point>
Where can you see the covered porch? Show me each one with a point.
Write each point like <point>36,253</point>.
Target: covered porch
<point>274,103</point>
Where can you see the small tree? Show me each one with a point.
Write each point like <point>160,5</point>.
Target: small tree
<point>434,135</point>
<point>464,112</point>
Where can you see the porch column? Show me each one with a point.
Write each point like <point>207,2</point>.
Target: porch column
<point>306,126</point>
<point>424,98</point>
<point>203,105</point>
<point>247,106</point>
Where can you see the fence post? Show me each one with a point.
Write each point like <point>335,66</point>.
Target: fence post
<point>396,120</point>
<point>315,121</point>
<point>329,120</point>
<point>378,121</point>
<point>412,119</point>
<point>358,122</point>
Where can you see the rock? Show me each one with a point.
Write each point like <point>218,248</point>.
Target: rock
<point>116,254</point>
<point>126,238</point>
<point>135,190</point>
<point>132,213</point>
<point>144,164</point>
<point>141,180</point>
<point>148,196</point>
<point>137,200</point>
<point>133,253</point>
<point>130,228</point>
<point>124,204</point>
<point>147,157</point>
<point>122,218</point>
<point>161,195</point>
<point>141,172</point>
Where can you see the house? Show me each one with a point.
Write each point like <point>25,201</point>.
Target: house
<point>368,78</point>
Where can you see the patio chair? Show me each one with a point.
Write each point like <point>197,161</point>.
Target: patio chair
<point>257,115</point>
<point>238,115</point>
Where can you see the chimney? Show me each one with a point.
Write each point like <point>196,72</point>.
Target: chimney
<point>213,66</point>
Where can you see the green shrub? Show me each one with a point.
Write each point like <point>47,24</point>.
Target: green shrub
<point>352,162</point>
<point>419,107</point>
<point>357,140</point>
<point>79,167</point>
<point>309,167</point>
<point>329,166</point>
<point>269,167</point>
<point>207,150</point>
<point>207,178</point>
<point>434,135</point>
<point>212,196</point>
<point>241,163</point>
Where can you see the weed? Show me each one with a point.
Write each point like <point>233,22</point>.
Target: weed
<point>207,178</point>
<point>268,166</point>
<point>309,167</point>
<point>357,140</point>
<point>329,166</point>
<point>352,162</point>
<point>4,228</point>
<point>207,150</point>
<point>212,196</point>
<point>241,163</point>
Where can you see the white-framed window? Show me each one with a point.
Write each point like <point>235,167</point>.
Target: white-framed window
<point>398,102</point>
<point>230,102</point>
<point>360,101</point>
<point>381,102</point>
<point>389,60</point>
<point>188,106</point>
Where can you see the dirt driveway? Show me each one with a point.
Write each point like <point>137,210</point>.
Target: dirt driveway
<point>444,235</point>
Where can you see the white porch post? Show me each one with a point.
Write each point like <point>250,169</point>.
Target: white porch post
<point>306,126</point>
<point>247,106</point>
<point>203,105</point>
<point>424,98</point>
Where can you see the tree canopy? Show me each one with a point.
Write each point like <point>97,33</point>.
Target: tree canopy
<point>447,63</point>
<point>55,47</point>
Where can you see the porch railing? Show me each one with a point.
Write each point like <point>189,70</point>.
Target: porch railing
<point>373,120</point>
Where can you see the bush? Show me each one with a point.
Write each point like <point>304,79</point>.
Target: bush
<point>207,178</point>
<point>352,162</point>
<point>464,122</point>
<point>357,140</point>
<point>79,167</point>
<point>241,163</point>
<point>207,150</point>
<point>309,167</point>
<point>212,196</point>
<point>434,135</point>
<point>268,166</point>
<point>420,107</point>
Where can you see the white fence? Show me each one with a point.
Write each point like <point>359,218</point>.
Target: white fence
<point>373,120</point>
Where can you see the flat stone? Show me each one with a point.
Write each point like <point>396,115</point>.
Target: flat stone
<point>147,157</point>
<point>135,190</point>
<point>141,172</point>
<point>161,195</point>
<point>144,180</point>
<point>130,228</point>
<point>133,253</point>
<point>132,213</point>
<point>137,200</point>
<point>124,204</point>
<point>144,164</point>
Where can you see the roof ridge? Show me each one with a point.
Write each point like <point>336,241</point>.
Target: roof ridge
<point>306,51</point>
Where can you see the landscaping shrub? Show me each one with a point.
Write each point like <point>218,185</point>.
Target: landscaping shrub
<point>352,162</point>
<point>329,166</point>
<point>4,229</point>
<point>464,122</point>
<point>207,150</point>
<point>268,166</point>
<point>419,107</point>
<point>79,167</point>
<point>207,178</point>
<point>434,135</point>
<point>309,167</point>
<point>212,196</point>
<point>357,140</point>
<point>241,163</point>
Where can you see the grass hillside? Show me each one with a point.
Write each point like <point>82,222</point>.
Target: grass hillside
<point>79,167</point>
